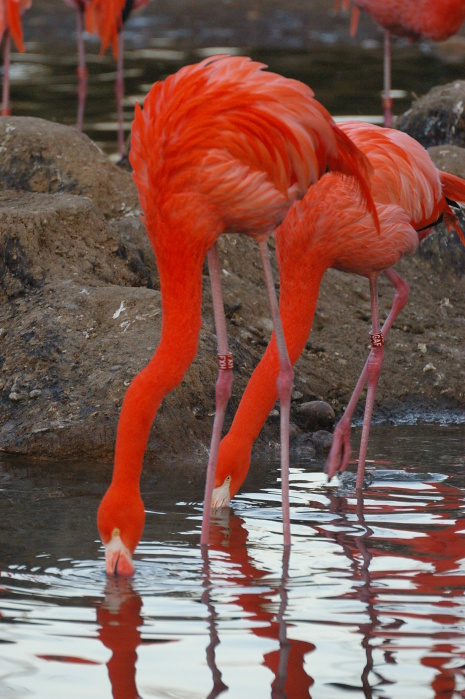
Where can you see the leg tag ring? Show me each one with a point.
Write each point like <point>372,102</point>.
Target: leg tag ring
<point>225,361</point>
<point>377,339</point>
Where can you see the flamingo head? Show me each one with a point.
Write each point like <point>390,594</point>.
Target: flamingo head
<point>231,470</point>
<point>120,522</point>
<point>221,494</point>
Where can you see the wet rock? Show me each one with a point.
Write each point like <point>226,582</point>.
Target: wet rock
<point>302,446</point>
<point>314,415</point>
<point>322,441</point>
<point>294,430</point>
<point>438,117</point>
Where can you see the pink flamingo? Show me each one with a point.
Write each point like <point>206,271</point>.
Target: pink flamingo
<point>328,229</point>
<point>219,146</point>
<point>436,20</point>
<point>106,18</point>
<point>10,26</point>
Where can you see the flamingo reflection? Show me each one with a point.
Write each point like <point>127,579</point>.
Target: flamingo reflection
<point>228,535</point>
<point>119,619</point>
<point>438,579</point>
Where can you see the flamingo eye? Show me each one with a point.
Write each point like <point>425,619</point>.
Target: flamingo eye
<point>115,532</point>
<point>227,479</point>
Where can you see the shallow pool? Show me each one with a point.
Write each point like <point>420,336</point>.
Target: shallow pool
<point>370,601</point>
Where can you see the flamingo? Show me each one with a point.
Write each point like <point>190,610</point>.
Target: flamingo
<point>326,229</point>
<point>10,26</point>
<point>436,20</point>
<point>106,18</point>
<point>220,146</point>
<point>82,74</point>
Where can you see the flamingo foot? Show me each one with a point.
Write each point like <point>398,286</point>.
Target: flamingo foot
<point>339,454</point>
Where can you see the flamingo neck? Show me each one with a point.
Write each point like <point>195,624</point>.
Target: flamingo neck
<point>181,289</point>
<point>297,308</point>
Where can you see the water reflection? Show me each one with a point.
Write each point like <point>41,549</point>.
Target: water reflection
<point>118,622</point>
<point>264,606</point>
<point>370,601</point>
<point>423,582</point>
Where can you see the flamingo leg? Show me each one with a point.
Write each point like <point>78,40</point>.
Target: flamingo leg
<point>339,454</point>
<point>6,75</point>
<point>284,387</point>
<point>82,73</point>
<point>387,99</point>
<point>223,385</point>
<point>119,92</point>
<point>374,365</point>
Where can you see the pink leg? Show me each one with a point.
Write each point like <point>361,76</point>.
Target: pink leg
<point>284,386</point>
<point>387,99</point>
<point>6,76</point>
<point>374,365</point>
<point>223,386</point>
<point>339,454</point>
<point>119,90</point>
<point>82,74</point>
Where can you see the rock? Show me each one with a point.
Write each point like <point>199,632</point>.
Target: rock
<point>443,249</point>
<point>41,156</point>
<point>437,121</point>
<point>80,315</point>
<point>438,117</point>
<point>314,415</point>
<point>302,446</point>
<point>449,158</point>
<point>322,441</point>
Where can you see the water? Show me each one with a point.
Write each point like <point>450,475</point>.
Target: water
<point>345,75</point>
<point>370,603</point>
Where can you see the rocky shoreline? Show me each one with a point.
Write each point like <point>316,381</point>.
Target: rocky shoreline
<point>80,308</point>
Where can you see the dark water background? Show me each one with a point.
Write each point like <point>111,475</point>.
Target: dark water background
<point>371,601</point>
<point>303,40</point>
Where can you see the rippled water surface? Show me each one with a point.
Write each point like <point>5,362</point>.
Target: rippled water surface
<point>369,603</point>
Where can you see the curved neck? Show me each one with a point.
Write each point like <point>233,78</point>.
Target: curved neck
<point>181,289</point>
<point>297,303</point>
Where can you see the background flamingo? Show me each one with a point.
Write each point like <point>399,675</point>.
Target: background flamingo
<point>10,27</point>
<point>436,20</point>
<point>221,145</point>
<point>327,229</point>
<point>82,74</point>
<point>106,18</point>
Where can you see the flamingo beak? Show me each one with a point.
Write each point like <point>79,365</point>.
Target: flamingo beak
<point>118,558</point>
<point>221,496</point>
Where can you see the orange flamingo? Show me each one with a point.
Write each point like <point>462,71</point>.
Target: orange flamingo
<point>82,74</point>
<point>106,19</point>
<point>326,229</point>
<point>436,20</point>
<point>219,146</point>
<point>10,26</point>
